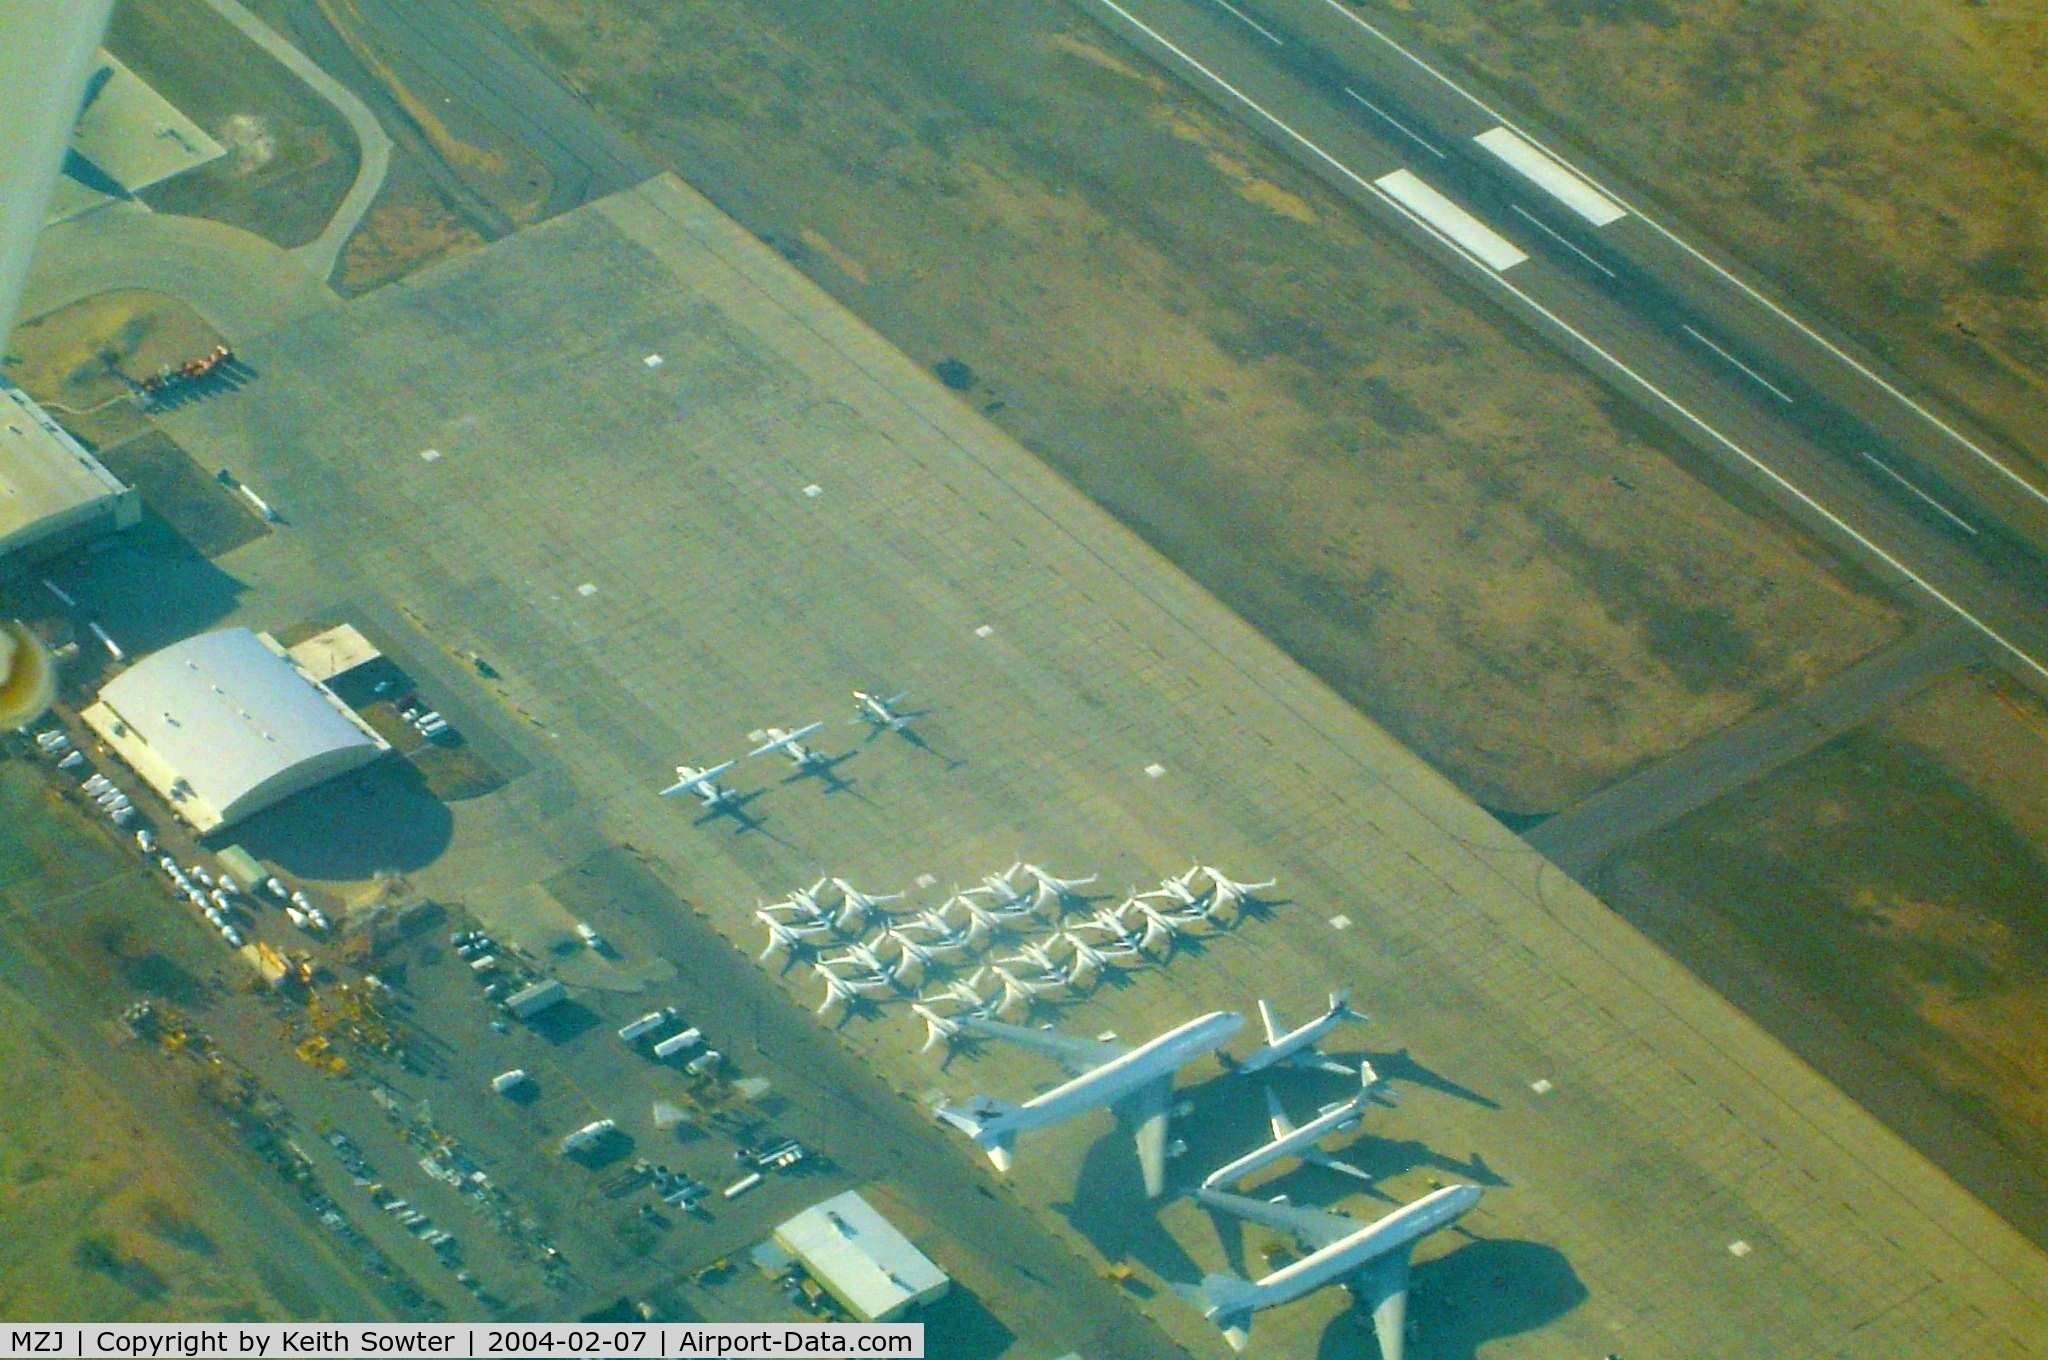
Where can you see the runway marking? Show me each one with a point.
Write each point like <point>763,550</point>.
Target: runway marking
<point>1809,332</point>
<point>1777,478</point>
<point>1252,23</point>
<point>1888,470</point>
<point>1410,133</point>
<point>1450,219</point>
<point>1551,175</point>
<point>1759,378</point>
<point>1564,241</point>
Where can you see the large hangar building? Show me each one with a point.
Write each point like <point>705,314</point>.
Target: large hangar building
<point>53,494</point>
<point>226,724</point>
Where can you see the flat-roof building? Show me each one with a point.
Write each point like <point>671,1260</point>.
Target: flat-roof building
<point>224,725</point>
<point>861,1259</point>
<point>53,494</point>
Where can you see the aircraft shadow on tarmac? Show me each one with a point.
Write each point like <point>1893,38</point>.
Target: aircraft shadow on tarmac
<point>1478,1293</point>
<point>378,819</point>
<point>1108,1207</point>
<point>1400,1068</point>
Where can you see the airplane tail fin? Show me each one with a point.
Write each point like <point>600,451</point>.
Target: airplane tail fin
<point>988,1122</point>
<point>1228,1303</point>
<point>1340,1006</point>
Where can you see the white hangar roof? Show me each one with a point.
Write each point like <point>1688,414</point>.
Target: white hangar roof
<point>224,725</point>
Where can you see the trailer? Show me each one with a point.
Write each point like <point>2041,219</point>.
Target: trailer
<point>528,1002</point>
<point>589,1136</point>
<point>680,1043</point>
<point>646,1025</point>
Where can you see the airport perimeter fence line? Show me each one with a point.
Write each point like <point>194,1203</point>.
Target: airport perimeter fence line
<point>488,1341</point>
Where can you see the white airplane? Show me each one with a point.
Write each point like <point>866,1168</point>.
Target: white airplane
<point>943,933</point>
<point>1010,898</point>
<point>786,937</point>
<point>1372,1258</point>
<point>965,994</point>
<point>1052,890</point>
<point>1161,928</point>
<point>791,744</point>
<point>690,779</point>
<point>861,954</point>
<point>929,954</point>
<point>880,713</point>
<point>1229,893</point>
<point>1018,993</point>
<point>1039,956</point>
<point>1289,1141</point>
<point>1093,960</point>
<point>1181,888</point>
<point>991,919</point>
<point>1297,1047</point>
<point>1110,921</point>
<point>938,1029</point>
<point>842,991</point>
<point>804,903</point>
<point>1137,1083</point>
<point>857,906</point>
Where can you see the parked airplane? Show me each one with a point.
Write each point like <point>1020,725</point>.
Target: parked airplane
<point>1370,1257</point>
<point>1095,960</point>
<point>1135,1082</point>
<point>1020,993</point>
<point>786,937</point>
<point>1054,891</point>
<point>856,906</point>
<point>804,903</point>
<point>1229,893</point>
<point>861,954</point>
<point>991,919</point>
<point>1181,888</point>
<point>1039,956</point>
<point>1161,928</point>
<point>880,713</point>
<point>1297,1047</point>
<point>1009,897</point>
<point>943,933</point>
<point>926,954</point>
<point>938,1029</point>
<point>964,993</point>
<point>791,744</point>
<point>843,991</point>
<point>1109,921</point>
<point>690,779</point>
<point>1289,1141</point>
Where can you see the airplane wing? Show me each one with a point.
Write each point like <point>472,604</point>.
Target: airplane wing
<point>1149,1109</point>
<point>1382,1286</point>
<point>1314,1228</point>
<point>1277,1117</point>
<point>1267,1017</point>
<point>1076,1055</point>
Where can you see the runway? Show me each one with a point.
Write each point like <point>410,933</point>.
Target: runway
<point>1826,437</point>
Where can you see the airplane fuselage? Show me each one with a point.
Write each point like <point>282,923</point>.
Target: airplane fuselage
<point>1120,1076</point>
<point>1288,1144</point>
<point>1350,1254</point>
<point>1289,1044</point>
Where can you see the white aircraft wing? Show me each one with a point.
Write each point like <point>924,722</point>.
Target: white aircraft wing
<point>1314,1228</point>
<point>1277,1117</point>
<point>1382,1286</point>
<point>1149,1109</point>
<point>1076,1055</point>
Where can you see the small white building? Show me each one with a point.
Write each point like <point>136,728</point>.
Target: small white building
<point>860,1258</point>
<point>224,725</point>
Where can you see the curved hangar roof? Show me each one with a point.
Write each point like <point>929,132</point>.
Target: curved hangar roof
<point>225,725</point>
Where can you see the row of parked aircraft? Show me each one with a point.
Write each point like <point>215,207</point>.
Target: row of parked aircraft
<point>1137,1084</point>
<point>877,713</point>
<point>909,948</point>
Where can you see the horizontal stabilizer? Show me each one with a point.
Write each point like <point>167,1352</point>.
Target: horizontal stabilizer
<point>988,1122</point>
<point>1229,1302</point>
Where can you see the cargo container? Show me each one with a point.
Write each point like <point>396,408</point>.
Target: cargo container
<point>645,1025</point>
<point>680,1043</point>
